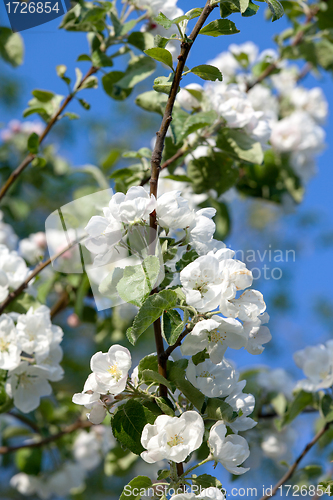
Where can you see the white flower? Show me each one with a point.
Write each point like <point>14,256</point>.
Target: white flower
<point>244,403</point>
<point>33,248</point>
<point>13,266</point>
<point>201,230</point>
<point>247,307</point>
<point>216,335</point>
<point>104,233</point>
<point>285,80</point>
<point>173,211</point>
<point>213,380</point>
<point>26,384</point>
<point>26,484</point>
<point>132,208</point>
<point>172,438</point>
<point>317,365</point>
<point>111,369</point>
<point>10,349</point>
<point>313,101</point>
<point>226,63</point>
<point>7,234</point>
<point>231,104</point>
<point>90,447</point>
<point>90,399</point>
<point>276,380</point>
<point>248,48</point>
<point>70,477</point>
<point>278,445</point>
<point>236,276</point>
<point>202,283</point>
<point>50,362</point>
<point>257,334</point>
<point>35,331</point>
<point>231,451</point>
<point>3,286</point>
<point>262,99</point>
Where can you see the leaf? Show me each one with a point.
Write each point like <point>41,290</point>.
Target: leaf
<point>172,325</point>
<point>139,280</point>
<point>153,376</point>
<point>150,311</point>
<point>206,481</point>
<point>33,143</point>
<point>251,10</point>
<point>148,363</point>
<point>22,304</point>
<point>217,409</point>
<point>100,59</point>
<point>138,69</point>
<point>152,101</point>
<point>279,404</point>
<point>219,27</point>
<point>29,460</point>
<point>276,9</point>
<point>177,125</point>
<point>163,20</point>
<point>139,483</point>
<point>186,259</point>
<point>326,487</point>
<point>197,121</point>
<point>160,41</point>
<point>207,72</point>
<point>11,46</point>
<point>163,84</point>
<point>301,401</point>
<point>128,422</point>
<point>84,104</point>
<point>161,55</point>
<point>326,407</point>
<point>142,41</point>
<point>109,82</point>
<point>43,95</point>
<point>176,375</point>
<point>217,170</point>
<point>165,405</point>
<point>240,146</point>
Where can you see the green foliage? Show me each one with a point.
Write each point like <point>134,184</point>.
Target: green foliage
<point>173,325</point>
<point>29,460</point>
<point>301,401</point>
<point>45,108</point>
<point>150,376</point>
<point>326,407</point>
<point>207,72</point>
<point>326,487</point>
<point>128,422</point>
<point>276,9</point>
<point>140,483</point>
<point>219,27</point>
<point>138,281</point>
<point>150,311</point>
<point>176,375</point>
<point>33,143</point>
<point>206,481</point>
<point>217,170</point>
<point>240,146</point>
<point>11,46</point>
<point>161,55</point>
<point>217,409</point>
<point>152,101</point>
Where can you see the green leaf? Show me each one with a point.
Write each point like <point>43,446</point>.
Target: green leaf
<point>142,41</point>
<point>160,41</point>
<point>206,481</point>
<point>11,46</point>
<point>186,259</point>
<point>276,9</point>
<point>33,143</point>
<point>150,311</point>
<point>22,304</point>
<point>172,325</point>
<point>207,72</point>
<point>279,403</point>
<point>138,70</point>
<point>176,375</point>
<point>326,487</point>
<point>163,84</point>
<point>326,407</point>
<point>217,409</point>
<point>100,59</point>
<point>196,122</point>
<point>251,10</point>
<point>163,20</point>
<point>148,363</point>
<point>29,460</point>
<point>138,281</point>
<point>161,55</point>
<point>166,406</point>
<point>140,484</point>
<point>71,116</point>
<point>219,27</point>
<point>109,82</point>
<point>217,170</point>
<point>84,104</point>
<point>152,101</point>
<point>177,125</point>
<point>43,95</point>
<point>240,146</point>
<point>128,422</point>
<point>150,376</point>
<point>301,401</point>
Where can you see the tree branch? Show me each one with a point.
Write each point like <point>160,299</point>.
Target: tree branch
<point>54,437</point>
<point>32,275</point>
<point>28,159</point>
<point>292,469</point>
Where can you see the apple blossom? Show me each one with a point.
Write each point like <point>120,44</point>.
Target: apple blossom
<point>172,438</point>
<point>111,369</point>
<point>173,211</point>
<point>257,334</point>
<point>132,208</point>
<point>213,380</point>
<point>277,380</point>
<point>243,403</point>
<point>317,365</point>
<point>247,307</point>
<point>90,447</point>
<point>13,266</point>
<point>230,451</point>
<point>10,349</point>
<point>8,237</point>
<point>33,248</point>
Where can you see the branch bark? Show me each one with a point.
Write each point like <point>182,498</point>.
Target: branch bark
<point>28,159</point>
<point>54,437</point>
<point>157,158</point>
<point>292,469</point>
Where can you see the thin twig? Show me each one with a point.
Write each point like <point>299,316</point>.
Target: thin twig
<point>61,304</point>
<point>25,421</point>
<point>54,437</point>
<point>30,156</point>
<point>157,158</point>
<point>292,469</point>
<point>32,275</point>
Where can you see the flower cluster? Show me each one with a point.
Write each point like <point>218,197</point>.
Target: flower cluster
<point>31,355</point>
<point>317,365</point>
<point>278,113</point>
<point>16,127</point>
<point>13,271</point>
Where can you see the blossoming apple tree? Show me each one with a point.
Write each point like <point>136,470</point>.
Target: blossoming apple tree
<point>181,301</point>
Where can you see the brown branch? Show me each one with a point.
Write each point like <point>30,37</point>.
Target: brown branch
<point>157,158</point>
<point>25,421</point>
<point>292,469</point>
<point>181,151</point>
<point>61,304</point>
<point>30,156</point>
<point>54,437</point>
<point>32,275</point>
